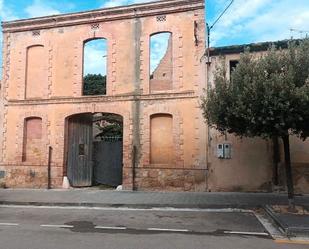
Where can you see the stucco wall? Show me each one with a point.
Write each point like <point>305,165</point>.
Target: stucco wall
<point>250,168</point>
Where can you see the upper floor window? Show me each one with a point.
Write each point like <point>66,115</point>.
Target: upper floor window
<point>161,62</point>
<point>233,65</point>
<point>95,67</point>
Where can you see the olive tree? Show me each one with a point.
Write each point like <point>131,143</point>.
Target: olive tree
<point>266,96</point>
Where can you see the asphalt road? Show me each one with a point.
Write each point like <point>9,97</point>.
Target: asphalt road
<point>69,228</point>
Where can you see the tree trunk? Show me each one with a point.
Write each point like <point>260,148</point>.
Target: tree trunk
<point>276,160</point>
<point>288,171</point>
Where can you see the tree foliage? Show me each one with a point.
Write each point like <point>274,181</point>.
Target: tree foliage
<point>94,84</point>
<point>110,130</point>
<point>110,125</point>
<point>266,96</point>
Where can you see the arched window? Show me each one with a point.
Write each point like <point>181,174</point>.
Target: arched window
<point>161,62</point>
<point>32,144</point>
<point>161,139</point>
<point>36,72</point>
<point>95,67</point>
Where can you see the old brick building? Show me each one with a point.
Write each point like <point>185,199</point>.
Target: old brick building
<point>164,136</point>
<point>166,143</point>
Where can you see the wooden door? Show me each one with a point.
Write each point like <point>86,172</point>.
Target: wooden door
<point>80,169</point>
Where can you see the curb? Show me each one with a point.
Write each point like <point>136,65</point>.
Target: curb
<point>136,206</point>
<point>288,230</point>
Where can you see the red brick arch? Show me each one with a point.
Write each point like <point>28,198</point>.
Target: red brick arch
<point>177,133</point>
<point>20,135</point>
<point>104,108</point>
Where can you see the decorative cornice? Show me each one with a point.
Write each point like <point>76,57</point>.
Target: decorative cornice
<point>104,15</point>
<point>96,99</point>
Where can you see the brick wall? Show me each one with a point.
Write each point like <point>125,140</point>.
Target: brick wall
<point>57,92</point>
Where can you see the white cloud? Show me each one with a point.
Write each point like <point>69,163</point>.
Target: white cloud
<point>261,20</point>
<point>6,14</point>
<point>158,44</point>
<point>95,57</point>
<point>113,3</point>
<point>40,8</point>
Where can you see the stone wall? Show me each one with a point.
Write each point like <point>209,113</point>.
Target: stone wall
<point>171,179</point>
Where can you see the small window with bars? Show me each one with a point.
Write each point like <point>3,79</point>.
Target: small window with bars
<point>233,65</point>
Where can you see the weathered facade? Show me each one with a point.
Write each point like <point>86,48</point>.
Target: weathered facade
<point>164,133</point>
<point>250,167</point>
<point>166,143</point>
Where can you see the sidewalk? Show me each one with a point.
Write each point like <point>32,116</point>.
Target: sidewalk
<point>103,198</point>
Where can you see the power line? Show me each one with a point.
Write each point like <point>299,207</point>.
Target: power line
<point>215,22</point>
<point>220,15</point>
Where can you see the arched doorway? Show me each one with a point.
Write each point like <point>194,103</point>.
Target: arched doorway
<point>94,149</point>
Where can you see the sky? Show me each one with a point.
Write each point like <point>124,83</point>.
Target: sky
<point>158,48</point>
<point>95,57</point>
<point>246,21</point>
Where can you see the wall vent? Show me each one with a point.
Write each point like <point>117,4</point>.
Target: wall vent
<point>161,18</point>
<point>95,26</point>
<point>36,33</point>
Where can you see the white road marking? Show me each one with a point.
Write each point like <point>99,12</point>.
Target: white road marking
<point>275,232</point>
<point>58,226</point>
<point>246,233</point>
<point>167,230</point>
<point>9,224</point>
<point>110,228</point>
<point>164,209</point>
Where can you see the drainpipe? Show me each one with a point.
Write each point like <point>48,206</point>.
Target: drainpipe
<point>207,125</point>
<point>50,151</point>
<point>134,155</point>
<point>136,105</point>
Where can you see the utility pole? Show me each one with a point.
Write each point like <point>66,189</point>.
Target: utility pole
<point>209,28</point>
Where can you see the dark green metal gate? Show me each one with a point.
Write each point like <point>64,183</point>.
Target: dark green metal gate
<point>107,158</point>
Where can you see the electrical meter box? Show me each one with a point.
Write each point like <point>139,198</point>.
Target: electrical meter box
<point>220,151</point>
<point>224,151</point>
<point>227,151</point>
